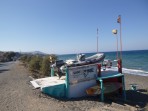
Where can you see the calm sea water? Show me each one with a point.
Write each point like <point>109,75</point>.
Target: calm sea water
<point>134,62</point>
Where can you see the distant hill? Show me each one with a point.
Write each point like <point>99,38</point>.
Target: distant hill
<point>38,53</point>
<point>35,53</point>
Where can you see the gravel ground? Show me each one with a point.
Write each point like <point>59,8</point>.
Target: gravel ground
<point>17,94</point>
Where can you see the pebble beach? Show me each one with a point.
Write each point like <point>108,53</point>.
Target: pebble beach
<point>17,94</point>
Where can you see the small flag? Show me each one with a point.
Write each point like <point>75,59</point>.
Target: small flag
<point>119,19</point>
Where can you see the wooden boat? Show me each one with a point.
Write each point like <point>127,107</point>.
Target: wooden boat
<point>109,87</point>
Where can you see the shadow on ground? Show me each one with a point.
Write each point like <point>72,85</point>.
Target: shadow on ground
<point>3,70</point>
<point>137,98</point>
<point>2,64</point>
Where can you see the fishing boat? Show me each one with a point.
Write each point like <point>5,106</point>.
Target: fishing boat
<point>81,60</point>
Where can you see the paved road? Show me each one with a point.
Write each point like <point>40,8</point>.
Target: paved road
<point>15,92</point>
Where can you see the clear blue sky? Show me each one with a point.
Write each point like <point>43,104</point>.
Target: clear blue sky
<point>70,26</point>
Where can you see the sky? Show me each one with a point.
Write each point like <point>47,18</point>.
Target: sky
<point>70,26</point>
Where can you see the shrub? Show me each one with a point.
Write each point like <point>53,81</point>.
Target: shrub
<point>45,68</point>
<point>52,58</point>
<point>28,59</point>
<point>38,65</point>
<point>35,64</point>
<point>23,58</point>
<point>8,56</point>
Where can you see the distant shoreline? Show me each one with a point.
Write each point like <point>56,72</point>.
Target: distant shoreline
<point>103,52</point>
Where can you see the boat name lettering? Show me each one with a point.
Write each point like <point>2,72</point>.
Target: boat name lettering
<point>87,71</point>
<point>76,72</point>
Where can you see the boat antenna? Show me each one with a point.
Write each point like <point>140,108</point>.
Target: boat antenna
<point>97,40</point>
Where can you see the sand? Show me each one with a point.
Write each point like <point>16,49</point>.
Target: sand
<point>17,94</point>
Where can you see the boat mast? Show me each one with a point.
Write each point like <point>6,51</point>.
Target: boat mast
<point>97,40</point>
<point>119,21</point>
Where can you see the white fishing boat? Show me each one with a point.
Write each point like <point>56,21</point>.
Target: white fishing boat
<point>81,60</point>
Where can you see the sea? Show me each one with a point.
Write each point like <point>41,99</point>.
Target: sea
<point>134,62</point>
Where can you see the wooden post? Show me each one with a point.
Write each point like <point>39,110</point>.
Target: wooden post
<point>67,83</point>
<point>52,72</point>
<point>119,65</point>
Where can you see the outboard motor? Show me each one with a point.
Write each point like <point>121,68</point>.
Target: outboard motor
<point>81,57</point>
<point>59,63</point>
<point>57,66</point>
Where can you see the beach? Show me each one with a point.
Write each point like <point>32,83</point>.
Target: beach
<point>17,94</point>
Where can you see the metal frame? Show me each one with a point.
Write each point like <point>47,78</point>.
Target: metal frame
<point>112,76</point>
